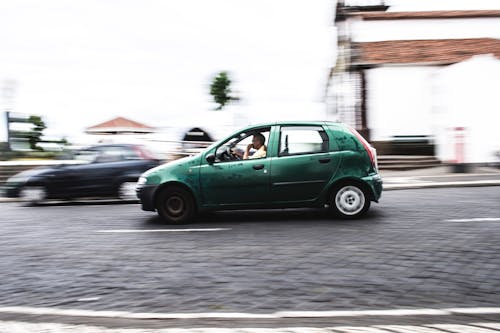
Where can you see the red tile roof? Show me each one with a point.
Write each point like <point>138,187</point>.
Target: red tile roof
<point>435,51</point>
<point>119,124</point>
<point>425,14</point>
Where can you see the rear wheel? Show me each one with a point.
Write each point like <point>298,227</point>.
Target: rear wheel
<point>349,201</point>
<point>33,195</point>
<point>176,205</point>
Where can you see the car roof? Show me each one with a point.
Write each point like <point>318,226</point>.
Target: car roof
<point>296,122</point>
<point>105,145</point>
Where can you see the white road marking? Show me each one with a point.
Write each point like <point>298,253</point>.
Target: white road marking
<point>477,219</point>
<point>475,310</point>
<point>159,230</point>
<point>242,315</point>
<point>358,329</point>
<point>88,299</point>
<point>362,313</point>
<point>495,326</point>
<point>408,329</point>
<point>23,327</point>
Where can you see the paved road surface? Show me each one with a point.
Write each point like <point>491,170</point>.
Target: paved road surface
<point>429,249</point>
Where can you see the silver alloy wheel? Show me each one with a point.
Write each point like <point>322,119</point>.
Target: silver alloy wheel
<point>350,200</point>
<point>33,194</point>
<point>127,191</point>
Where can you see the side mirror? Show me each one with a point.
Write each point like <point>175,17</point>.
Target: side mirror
<point>210,158</point>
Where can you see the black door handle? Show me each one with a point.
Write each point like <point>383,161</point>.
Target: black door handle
<point>324,160</point>
<point>258,166</point>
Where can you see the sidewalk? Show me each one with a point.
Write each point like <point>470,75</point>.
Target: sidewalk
<point>441,176</point>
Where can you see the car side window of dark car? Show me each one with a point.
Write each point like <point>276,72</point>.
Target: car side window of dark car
<point>128,153</point>
<point>298,140</point>
<point>110,154</point>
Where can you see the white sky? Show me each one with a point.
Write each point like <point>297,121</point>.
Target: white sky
<point>81,62</point>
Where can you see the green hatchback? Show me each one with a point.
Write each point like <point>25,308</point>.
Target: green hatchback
<point>278,165</point>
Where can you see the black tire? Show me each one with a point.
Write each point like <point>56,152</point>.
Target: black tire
<point>33,195</point>
<point>349,201</point>
<point>176,205</point>
<point>126,191</point>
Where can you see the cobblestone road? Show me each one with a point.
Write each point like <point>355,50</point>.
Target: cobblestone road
<point>434,248</point>
<point>20,327</point>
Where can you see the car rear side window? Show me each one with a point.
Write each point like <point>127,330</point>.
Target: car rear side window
<point>296,140</point>
<point>116,154</point>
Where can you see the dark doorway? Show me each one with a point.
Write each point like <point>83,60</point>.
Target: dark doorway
<point>197,134</point>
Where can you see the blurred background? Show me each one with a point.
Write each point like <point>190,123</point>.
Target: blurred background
<point>420,82</point>
<point>417,78</point>
<point>136,83</point>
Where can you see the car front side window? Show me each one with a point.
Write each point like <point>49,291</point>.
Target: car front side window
<point>234,148</point>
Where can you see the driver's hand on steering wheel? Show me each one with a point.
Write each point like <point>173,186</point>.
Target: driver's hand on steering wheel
<point>236,153</point>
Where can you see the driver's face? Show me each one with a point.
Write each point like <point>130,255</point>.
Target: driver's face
<point>256,142</point>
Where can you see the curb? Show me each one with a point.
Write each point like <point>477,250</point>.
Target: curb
<point>410,186</point>
<point>3,199</point>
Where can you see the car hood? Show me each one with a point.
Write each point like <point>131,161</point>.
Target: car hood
<point>172,165</point>
<point>25,175</point>
<point>38,171</point>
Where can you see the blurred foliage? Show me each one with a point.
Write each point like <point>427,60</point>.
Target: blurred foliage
<point>6,155</point>
<point>31,139</point>
<point>35,135</point>
<point>32,136</point>
<point>4,150</point>
<point>220,89</point>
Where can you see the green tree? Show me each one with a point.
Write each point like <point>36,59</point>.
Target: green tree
<point>35,134</point>
<point>220,89</point>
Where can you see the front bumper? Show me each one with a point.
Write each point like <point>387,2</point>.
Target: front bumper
<point>10,191</point>
<point>146,194</point>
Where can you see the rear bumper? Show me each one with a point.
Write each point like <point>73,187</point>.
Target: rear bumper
<point>146,194</point>
<point>376,185</point>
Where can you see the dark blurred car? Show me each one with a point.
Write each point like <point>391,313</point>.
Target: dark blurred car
<point>109,170</point>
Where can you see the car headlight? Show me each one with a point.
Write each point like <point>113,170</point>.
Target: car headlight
<point>141,181</point>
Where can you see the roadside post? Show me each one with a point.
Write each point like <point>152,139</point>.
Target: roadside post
<point>459,165</point>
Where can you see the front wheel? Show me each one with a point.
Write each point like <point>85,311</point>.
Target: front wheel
<point>349,201</point>
<point>33,195</point>
<point>126,191</point>
<point>176,205</point>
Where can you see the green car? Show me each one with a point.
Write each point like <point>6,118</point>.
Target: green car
<point>278,165</point>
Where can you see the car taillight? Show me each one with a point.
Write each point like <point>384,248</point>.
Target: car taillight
<point>144,153</point>
<point>372,152</point>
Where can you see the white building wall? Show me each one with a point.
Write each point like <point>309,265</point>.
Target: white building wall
<point>399,100</point>
<point>370,31</point>
<point>469,97</point>
<point>435,101</point>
